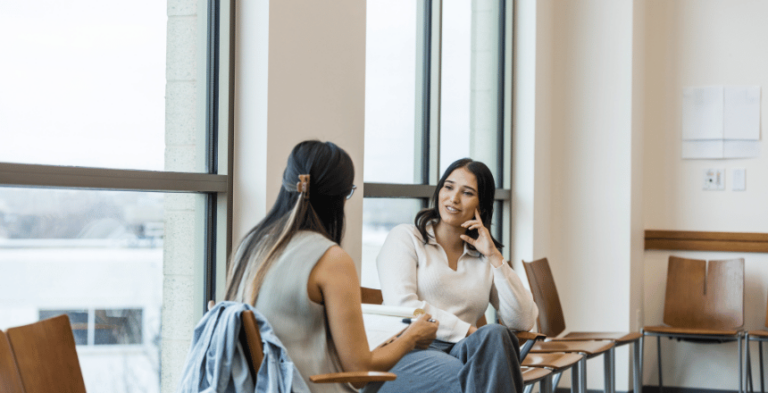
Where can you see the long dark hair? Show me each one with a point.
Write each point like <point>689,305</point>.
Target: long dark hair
<point>486,190</point>
<point>321,210</point>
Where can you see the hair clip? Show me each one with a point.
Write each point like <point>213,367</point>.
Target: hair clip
<point>303,185</point>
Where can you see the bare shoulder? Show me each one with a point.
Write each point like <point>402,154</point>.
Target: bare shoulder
<point>336,261</point>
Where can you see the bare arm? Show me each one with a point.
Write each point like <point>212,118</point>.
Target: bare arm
<point>334,283</point>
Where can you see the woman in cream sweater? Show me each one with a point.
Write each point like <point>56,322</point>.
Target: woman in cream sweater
<point>449,264</point>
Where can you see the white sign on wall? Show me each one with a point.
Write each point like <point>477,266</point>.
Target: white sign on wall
<point>721,122</point>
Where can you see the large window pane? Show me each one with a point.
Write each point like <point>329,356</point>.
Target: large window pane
<point>379,217</point>
<point>390,92</point>
<point>83,83</point>
<point>117,263</point>
<point>471,83</point>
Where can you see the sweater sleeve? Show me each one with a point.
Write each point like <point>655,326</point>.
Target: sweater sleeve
<point>513,301</point>
<point>397,264</point>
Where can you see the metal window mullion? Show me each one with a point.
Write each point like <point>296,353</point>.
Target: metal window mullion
<point>52,176</point>
<point>211,148</point>
<point>392,190</point>
<point>435,72</point>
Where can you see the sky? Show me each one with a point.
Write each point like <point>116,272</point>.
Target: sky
<point>83,83</point>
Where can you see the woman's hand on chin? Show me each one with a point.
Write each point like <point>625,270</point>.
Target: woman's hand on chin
<point>484,242</point>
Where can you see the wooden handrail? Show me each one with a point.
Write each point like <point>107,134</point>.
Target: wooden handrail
<point>706,241</point>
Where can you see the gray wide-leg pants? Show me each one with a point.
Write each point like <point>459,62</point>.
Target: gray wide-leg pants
<point>485,362</point>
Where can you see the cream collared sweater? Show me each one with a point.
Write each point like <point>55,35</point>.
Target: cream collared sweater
<point>414,274</point>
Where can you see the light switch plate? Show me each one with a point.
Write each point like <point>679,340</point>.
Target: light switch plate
<point>714,179</point>
<point>739,179</point>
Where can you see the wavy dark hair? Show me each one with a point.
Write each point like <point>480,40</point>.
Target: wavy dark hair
<point>331,174</point>
<point>486,190</point>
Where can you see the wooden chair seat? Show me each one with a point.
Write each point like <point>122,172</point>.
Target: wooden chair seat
<point>617,338</point>
<point>591,348</point>
<point>10,380</point>
<point>758,333</point>
<point>692,331</point>
<point>532,375</point>
<point>556,361</point>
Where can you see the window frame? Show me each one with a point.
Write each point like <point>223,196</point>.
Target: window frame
<point>215,183</point>
<point>428,118</point>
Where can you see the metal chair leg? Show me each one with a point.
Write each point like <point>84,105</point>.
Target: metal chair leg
<point>642,359</point>
<point>748,374</point>
<point>741,366</point>
<point>556,380</point>
<point>638,377</point>
<point>658,348</point>
<point>545,386</point>
<point>609,360</point>
<point>583,375</point>
<point>575,386</point>
<point>528,389</point>
<point>762,380</point>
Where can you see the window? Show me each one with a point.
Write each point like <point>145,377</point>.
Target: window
<point>114,186</point>
<point>103,326</point>
<point>437,90</point>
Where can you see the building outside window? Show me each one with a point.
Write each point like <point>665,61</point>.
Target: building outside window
<point>113,177</point>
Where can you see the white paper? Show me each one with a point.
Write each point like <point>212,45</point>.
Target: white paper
<point>702,149</point>
<point>380,328</point>
<point>741,149</point>
<point>741,112</point>
<point>394,311</point>
<point>703,113</point>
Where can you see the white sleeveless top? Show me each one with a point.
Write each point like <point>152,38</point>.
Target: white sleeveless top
<point>297,321</point>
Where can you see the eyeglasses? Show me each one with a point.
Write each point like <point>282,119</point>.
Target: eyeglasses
<point>354,187</point>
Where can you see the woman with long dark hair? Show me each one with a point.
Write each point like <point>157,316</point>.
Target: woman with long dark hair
<point>449,264</point>
<point>291,268</point>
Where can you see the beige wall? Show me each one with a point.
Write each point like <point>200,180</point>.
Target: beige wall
<point>597,160</point>
<point>695,43</point>
<point>300,75</point>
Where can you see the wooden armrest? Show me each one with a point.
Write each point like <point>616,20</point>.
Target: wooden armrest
<point>525,336</point>
<point>526,340</point>
<point>353,377</point>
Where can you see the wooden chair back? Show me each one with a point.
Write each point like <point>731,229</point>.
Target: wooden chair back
<point>10,381</point>
<point>46,356</point>
<point>250,339</point>
<point>551,320</point>
<point>701,296</point>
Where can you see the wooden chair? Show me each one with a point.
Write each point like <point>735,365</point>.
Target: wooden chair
<point>251,339</point>
<point>531,375</point>
<point>10,380</point>
<point>552,323</point>
<point>702,304</point>
<point>46,357</point>
<point>760,336</point>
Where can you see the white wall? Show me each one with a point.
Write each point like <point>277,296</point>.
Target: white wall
<point>597,160</point>
<point>592,170</point>
<point>695,43</point>
<point>300,74</point>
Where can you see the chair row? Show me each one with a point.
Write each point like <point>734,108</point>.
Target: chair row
<point>704,302</point>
